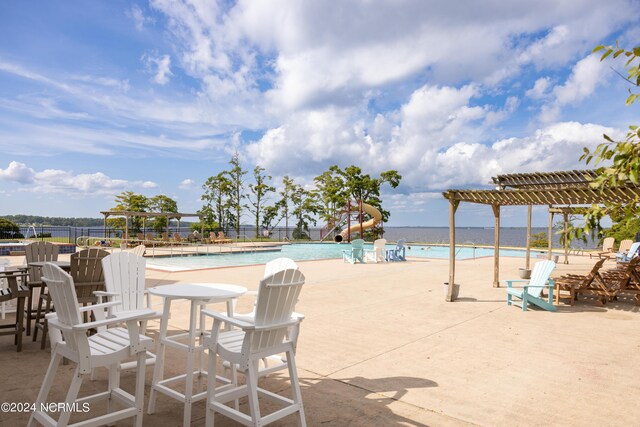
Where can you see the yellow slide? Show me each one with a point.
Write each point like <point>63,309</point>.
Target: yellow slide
<point>375,215</point>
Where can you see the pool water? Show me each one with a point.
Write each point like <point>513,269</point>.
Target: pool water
<point>310,251</point>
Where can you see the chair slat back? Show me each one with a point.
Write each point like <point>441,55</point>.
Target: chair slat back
<point>39,252</point>
<point>279,264</point>
<point>63,294</point>
<point>633,250</point>
<point>124,274</point>
<point>625,245</point>
<point>277,298</point>
<point>607,244</point>
<point>86,271</point>
<point>539,276</point>
<point>379,246</point>
<point>138,250</point>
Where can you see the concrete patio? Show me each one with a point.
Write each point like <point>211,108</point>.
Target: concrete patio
<point>380,346</point>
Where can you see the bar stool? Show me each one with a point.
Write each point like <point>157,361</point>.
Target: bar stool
<point>17,291</point>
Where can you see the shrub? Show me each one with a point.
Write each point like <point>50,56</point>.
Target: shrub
<point>9,230</point>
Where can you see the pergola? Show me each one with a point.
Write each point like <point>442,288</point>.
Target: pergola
<point>144,215</point>
<point>562,191</point>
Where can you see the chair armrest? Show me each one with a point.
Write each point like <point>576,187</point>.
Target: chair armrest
<point>230,320</point>
<point>509,282</point>
<point>134,315</point>
<point>288,323</point>
<point>99,306</point>
<point>105,294</point>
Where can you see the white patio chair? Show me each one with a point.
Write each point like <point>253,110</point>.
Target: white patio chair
<point>107,348</point>
<point>377,254</point>
<point>124,281</point>
<point>267,335</point>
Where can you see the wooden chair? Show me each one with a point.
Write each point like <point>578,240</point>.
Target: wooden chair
<point>531,293</point>
<point>356,253</point>
<point>378,253</point>
<point>106,348</point>
<point>607,248</point>
<point>624,281</point>
<point>19,292</point>
<point>573,282</point>
<point>244,348</point>
<point>37,252</point>
<point>222,238</point>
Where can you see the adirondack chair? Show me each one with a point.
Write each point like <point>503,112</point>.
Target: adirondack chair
<point>377,254</point>
<point>14,291</point>
<point>86,271</point>
<point>531,293</point>
<point>222,238</point>
<point>397,253</point>
<point>244,348</point>
<point>356,253</point>
<point>571,283</point>
<point>37,252</point>
<point>124,279</point>
<point>138,250</point>
<point>273,363</point>
<point>607,248</point>
<point>622,281</point>
<point>629,254</point>
<point>107,348</point>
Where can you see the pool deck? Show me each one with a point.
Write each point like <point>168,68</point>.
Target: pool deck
<point>379,347</point>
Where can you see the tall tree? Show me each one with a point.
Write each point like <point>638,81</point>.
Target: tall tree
<point>332,194</point>
<point>132,202</point>
<point>258,195</point>
<point>305,207</point>
<point>217,193</point>
<point>236,177</point>
<point>620,159</point>
<point>162,203</point>
<point>284,204</point>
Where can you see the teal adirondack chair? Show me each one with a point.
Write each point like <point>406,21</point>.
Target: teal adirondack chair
<point>356,253</point>
<point>531,293</point>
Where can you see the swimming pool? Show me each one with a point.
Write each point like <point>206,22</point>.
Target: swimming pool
<point>310,251</point>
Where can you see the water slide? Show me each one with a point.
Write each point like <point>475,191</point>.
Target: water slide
<point>375,215</point>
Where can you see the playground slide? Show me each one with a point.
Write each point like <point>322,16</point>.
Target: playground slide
<point>375,215</point>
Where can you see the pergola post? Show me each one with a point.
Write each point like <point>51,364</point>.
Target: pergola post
<point>566,237</point>
<point>496,247</point>
<point>527,264</point>
<point>453,206</point>
<point>550,234</point>
<point>105,225</point>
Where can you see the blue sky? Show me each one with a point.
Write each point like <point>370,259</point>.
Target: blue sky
<point>153,97</point>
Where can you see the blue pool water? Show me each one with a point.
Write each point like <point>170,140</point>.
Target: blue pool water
<point>311,251</point>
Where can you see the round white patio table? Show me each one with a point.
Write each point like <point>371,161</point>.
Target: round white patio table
<point>199,294</point>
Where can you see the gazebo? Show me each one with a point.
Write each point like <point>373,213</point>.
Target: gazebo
<point>144,215</point>
<point>564,192</point>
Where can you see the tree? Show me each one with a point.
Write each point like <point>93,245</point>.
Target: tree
<point>284,204</point>
<point>305,206</point>
<point>236,175</point>
<point>132,202</point>
<point>216,196</point>
<point>162,203</point>
<point>332,194</point>
<point>363,187</point>
<point>9,230</point>
<point>258,193</point>
<point>622,158</point>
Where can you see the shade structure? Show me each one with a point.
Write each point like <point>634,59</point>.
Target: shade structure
<point>562,191</point>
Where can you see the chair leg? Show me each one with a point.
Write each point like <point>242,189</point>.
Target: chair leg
<point>45,325</point>
<point>295,386</point>
<point>114,383</point>
<point>211,388</point>
<point>39,314</point>
<point>19,323</point>
<point>28,310</point>
<point>139,396</point>
<point>46,383</point>
<point>72,395</point>
<point>252,393</point>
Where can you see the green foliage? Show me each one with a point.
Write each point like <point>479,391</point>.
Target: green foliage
<point>258,193</point>
<point>539,240</point>
<point>618,161</point>
<point>236,195</point>
<point>9,230</point>
<point>217,198</point>
<point>129,201</point>
<point>57,221</point>
<point>161,203</point>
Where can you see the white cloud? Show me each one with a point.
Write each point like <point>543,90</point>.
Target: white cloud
<point>56,181</point>
<point>159,66</point>
<point>138,17</point>
<point>187,183</point>
<point>540,88</point>
<point>18,172</point>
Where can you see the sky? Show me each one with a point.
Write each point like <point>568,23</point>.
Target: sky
<point>154,97</point>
